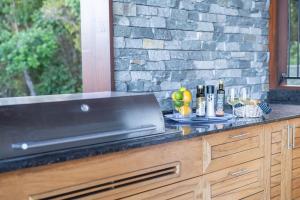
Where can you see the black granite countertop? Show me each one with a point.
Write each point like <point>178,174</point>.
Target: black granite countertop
<point>280,112</point>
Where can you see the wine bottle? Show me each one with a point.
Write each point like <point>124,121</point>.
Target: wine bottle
<point>220,100</point>
<point>200,111</point>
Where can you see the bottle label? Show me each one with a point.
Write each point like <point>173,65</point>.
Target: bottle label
<point>200,106</point>
<point>210,106</point>
<point>220,102</point>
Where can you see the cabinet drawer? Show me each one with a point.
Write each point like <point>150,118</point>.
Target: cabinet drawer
<point>110,176</point>
<point>232,148</point>
<point>236,182</point>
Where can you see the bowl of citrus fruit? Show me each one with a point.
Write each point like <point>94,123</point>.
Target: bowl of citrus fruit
<point>182,102</point>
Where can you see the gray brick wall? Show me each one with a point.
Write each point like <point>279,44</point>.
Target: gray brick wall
<point>161,45</point>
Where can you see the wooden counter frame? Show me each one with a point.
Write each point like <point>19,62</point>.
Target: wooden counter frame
<point>97,45</point>
<point>278,44</point>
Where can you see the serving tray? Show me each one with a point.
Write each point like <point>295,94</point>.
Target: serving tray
<point>193,118</point>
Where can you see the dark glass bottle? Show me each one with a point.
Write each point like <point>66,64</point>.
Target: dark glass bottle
<point>200,107</point>
<point>220,99</point>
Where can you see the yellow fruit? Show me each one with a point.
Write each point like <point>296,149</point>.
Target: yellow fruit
<point>186,130</point>
<point>185,110</point>
<point>187,103</point>
<point>187,96</point>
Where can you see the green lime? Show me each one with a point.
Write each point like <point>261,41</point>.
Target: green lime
<point>178,96</point>
<point>173,96</point>
<point>182,89</point>
<point>178,103</point>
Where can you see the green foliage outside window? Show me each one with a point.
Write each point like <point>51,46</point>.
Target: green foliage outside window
<point>39,47</point>
<point>293,31</point>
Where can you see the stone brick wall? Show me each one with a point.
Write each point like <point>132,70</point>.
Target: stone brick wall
<point>161,45</point>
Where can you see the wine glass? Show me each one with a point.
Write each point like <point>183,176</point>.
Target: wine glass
<point>232,98</point>
<point>245,97</point>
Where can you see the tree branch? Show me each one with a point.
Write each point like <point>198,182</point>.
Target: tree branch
<point>26,74</point>
<point>29,82</point>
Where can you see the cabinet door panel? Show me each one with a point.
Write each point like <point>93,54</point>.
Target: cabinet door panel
<point>232,148</point>
<point>293,161</point>
<point>258,196</point>
<point>275,170</point>
<point>275,134</point>
<point>276,148</point>
<point>296,153</point>
<point>275,191</point>
<point>276,198</point>
<point>275,180</point>
<point>297,139</point>
<point>295,165</point>
<point>276,159</point>
<point>185,190</point>
<point>295,193</point>
<point>236,182</point>
<point>296,173</point>
<point>118,174</point>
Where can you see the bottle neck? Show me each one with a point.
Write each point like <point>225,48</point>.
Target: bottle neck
<point>221,86</point>
<point>200,92</point>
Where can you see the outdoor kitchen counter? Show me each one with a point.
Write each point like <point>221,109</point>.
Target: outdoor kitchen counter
<point>280,112</point>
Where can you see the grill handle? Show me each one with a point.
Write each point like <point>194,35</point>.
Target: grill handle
<point>45,143</point>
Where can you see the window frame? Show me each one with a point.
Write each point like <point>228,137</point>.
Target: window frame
<point>97,45</point>
<point>278,44</point>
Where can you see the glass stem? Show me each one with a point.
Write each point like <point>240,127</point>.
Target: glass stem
<point>233,111</point>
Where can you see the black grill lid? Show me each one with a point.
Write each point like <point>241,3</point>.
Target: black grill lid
<point>32,125</point>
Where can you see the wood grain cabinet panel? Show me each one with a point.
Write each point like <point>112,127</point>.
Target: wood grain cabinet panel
<point>275,136</point>
<point>232,148</point>
<point>111,176</point>
<point>185,190</point>
<point>257,196</point>
<point>234,183</point>
<point>295,160</point>
<point>284,162</point>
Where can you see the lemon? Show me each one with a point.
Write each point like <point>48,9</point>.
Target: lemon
<point>187,103</point>
<point>186,130</point>
<point>178,96</point>
<point>185,110</point>
<point>187,96</point>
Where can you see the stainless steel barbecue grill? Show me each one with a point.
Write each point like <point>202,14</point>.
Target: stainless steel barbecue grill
<point>33,125</point>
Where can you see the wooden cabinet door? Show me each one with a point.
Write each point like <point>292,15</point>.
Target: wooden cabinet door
<point>185,190</point>
<point>284,160</point>
<point>244,181</point>
<point>231,148</point>
<point>276,137</point>
<point>294,159</point>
